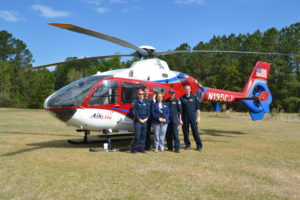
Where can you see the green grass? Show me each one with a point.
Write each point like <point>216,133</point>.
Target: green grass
<point>241,159</point>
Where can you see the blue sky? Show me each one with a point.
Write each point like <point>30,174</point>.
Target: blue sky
<point>164,24</point>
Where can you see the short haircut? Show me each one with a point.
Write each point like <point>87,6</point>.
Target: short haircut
<point>187,86</point>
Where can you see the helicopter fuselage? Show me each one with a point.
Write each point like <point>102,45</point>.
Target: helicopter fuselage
<point>103,101</point>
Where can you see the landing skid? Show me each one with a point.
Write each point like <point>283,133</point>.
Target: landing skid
<point>108,139</point>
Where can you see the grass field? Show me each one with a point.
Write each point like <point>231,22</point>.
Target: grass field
<point>241,159</point>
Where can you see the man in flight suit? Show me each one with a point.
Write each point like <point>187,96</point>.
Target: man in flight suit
<point>190,116</point>
<point>148,134</point>
<point>175,119</point>
<point>141,112</point>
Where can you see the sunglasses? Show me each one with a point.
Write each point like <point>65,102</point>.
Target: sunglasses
<point>141,93</point>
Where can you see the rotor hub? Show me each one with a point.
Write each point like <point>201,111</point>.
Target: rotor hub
<point>150,50</point>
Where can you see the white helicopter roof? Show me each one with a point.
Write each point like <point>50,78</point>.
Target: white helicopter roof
<point>152,69</point>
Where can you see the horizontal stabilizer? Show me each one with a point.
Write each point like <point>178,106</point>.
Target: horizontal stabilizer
<point>262,97</point>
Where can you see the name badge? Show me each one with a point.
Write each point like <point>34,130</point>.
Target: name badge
<point>191,99</point>
<point>173,102</point>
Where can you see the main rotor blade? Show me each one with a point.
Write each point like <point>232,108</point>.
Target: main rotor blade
<point>109,38</point>
<point>76,60</point>
<point>221,51</point>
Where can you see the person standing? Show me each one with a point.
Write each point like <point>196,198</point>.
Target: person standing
<point>200,92</point>
<point>141,112</point>
<point>160,120</point>
<point>148,134</point>
<point>175,119</point>
<point>190,116</point>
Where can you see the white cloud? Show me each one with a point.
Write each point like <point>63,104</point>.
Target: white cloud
<point>49,12</point>
<point>102,10</point>
<point>93,2</point>
<point>118,1</point>
<point>197,2</point>
<point>10,15</point>
<point>126,10</point>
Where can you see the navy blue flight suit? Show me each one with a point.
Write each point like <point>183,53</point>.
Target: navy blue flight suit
<point>189,107</point>
<point>172,131</point>
<point>149,122</point>
<point>141,110</point>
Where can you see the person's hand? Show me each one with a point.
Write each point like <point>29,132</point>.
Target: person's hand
<point>180,122</point>
<point>142,121</point>
<point>198,120</point>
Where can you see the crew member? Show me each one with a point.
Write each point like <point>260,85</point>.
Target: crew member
<point>200,92</point>
<point>149,122</point>
<point>160,115</point>
<point>190,116</point>
<point>175,119</point>
<point>141,112</point>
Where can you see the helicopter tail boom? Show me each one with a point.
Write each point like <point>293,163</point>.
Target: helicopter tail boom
<point>256,95</point>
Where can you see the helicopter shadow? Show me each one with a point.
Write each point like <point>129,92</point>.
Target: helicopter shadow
<point>93,142</point>
<point>25,133</point>
<point>215,132</point>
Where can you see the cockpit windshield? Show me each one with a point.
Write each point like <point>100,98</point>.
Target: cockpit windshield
<point>74,93</point>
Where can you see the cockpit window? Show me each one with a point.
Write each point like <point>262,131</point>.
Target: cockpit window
<point>74,93</point>
<point>106,93</point>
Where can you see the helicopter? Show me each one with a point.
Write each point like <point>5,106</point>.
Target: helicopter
<point>102,102</point>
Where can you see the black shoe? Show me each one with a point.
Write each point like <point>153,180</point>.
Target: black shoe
<point>170,149</point>
<point>143,151</point>
<point>177,151</point>
<point>187,148</point>
<point>199,149</point>
<point>134,152</point>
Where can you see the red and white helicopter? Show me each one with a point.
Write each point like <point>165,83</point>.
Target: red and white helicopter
<point>102,102</point>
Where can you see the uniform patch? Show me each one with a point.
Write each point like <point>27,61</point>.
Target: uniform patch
<point>191,99</point>
<point>174,102</point>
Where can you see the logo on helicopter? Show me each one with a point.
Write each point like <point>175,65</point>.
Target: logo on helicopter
<point>101,116</point>
<point>219,97</point>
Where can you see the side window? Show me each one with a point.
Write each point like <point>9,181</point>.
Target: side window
<point>106,93</point>
<point>129,91</point>
<point>159,89</point>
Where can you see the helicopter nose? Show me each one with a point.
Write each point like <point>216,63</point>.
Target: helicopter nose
<point>63,114</point>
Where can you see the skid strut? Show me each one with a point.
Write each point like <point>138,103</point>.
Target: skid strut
<point>109,141</point>
<point>85,138</point>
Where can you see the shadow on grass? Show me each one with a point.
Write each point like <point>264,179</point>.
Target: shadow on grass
<point>24,133</point>
<point>97,141</point>
<point>214,132</point>
<point>94,142</point>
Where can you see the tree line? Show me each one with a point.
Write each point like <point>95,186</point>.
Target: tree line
<point>216,70</point>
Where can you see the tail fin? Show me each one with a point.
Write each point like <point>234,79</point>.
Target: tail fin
<point>257,92</point>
